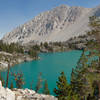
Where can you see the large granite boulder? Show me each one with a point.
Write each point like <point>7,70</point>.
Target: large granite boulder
<point>6,94</point>
<point>22,94</point>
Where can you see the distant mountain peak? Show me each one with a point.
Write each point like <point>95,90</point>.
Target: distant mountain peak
<point>58,24</point>
<point>63,6</point>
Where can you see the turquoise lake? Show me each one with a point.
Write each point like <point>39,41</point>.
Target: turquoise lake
<point>50,65</point>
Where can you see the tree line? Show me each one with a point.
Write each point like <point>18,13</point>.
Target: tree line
<point>11,48</point>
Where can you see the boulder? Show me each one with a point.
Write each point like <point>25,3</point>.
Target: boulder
<point>6,94</point>
<point>22,94</point>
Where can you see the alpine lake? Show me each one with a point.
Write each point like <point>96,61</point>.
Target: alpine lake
<point>50,66</point>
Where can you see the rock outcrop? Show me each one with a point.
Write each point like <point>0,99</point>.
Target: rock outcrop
<point>14,58</point>
<point>20,94</point>
<point>58,24</point>
<point>6,94</point>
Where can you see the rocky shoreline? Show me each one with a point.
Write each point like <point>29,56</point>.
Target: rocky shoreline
<point>22,94</point>
<point>76,43</point>
<point>12,59</point>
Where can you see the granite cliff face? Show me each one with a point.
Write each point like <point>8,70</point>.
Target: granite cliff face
<point>20,94</point>
<point>59,24</point>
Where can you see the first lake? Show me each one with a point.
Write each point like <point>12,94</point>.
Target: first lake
<point>50,65</point>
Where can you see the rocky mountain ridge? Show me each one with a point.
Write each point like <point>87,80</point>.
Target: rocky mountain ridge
<point>59,24</point>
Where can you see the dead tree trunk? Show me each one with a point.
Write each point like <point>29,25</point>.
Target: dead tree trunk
<point>8,75</point>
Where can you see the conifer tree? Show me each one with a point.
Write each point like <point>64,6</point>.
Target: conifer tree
<point>11,86</point>
<point>77,77</point>
<point>85,74</point>
<point>95,31</point>
<point>8,75</point>
<point>31,85</point>
<point>46,90</point>
<point>18,77</point>
<point>62,87</point>
<point>39,83</point>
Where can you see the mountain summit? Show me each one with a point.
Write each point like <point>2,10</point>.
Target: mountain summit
<point>58,24</point>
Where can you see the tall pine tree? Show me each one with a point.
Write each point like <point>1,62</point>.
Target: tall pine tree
<point>62,87</point>
<point>46,89</point>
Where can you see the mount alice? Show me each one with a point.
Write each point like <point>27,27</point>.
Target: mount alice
<point>57,25</point>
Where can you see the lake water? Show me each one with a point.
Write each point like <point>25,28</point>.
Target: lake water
<point>50,65</point>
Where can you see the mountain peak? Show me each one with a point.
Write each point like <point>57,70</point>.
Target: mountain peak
<point>63,6</point>
<point>58,24</point>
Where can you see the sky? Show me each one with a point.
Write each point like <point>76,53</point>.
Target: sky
<point>16,12</point>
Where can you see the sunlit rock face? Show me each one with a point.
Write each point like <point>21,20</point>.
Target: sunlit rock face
<point>58,24</point>
<point>6,94</point>
<point>20,94</point>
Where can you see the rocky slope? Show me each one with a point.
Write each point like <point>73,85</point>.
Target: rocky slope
<point>14,58</point>
<point>58,24</point>
<point>20,94</point>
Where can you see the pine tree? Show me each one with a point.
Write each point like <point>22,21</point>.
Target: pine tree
<point>39,83</point>
<point>8,75</point>
<point>11,86</point>
<point>85,74</point>
<point>46,90</point>
<point>95,31</point>
<point>18,77</point>
<point>62,87</point>
<point>46,45</point>
<point>33,53</point>
<point>81,77</point>
<point>31,85</point>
